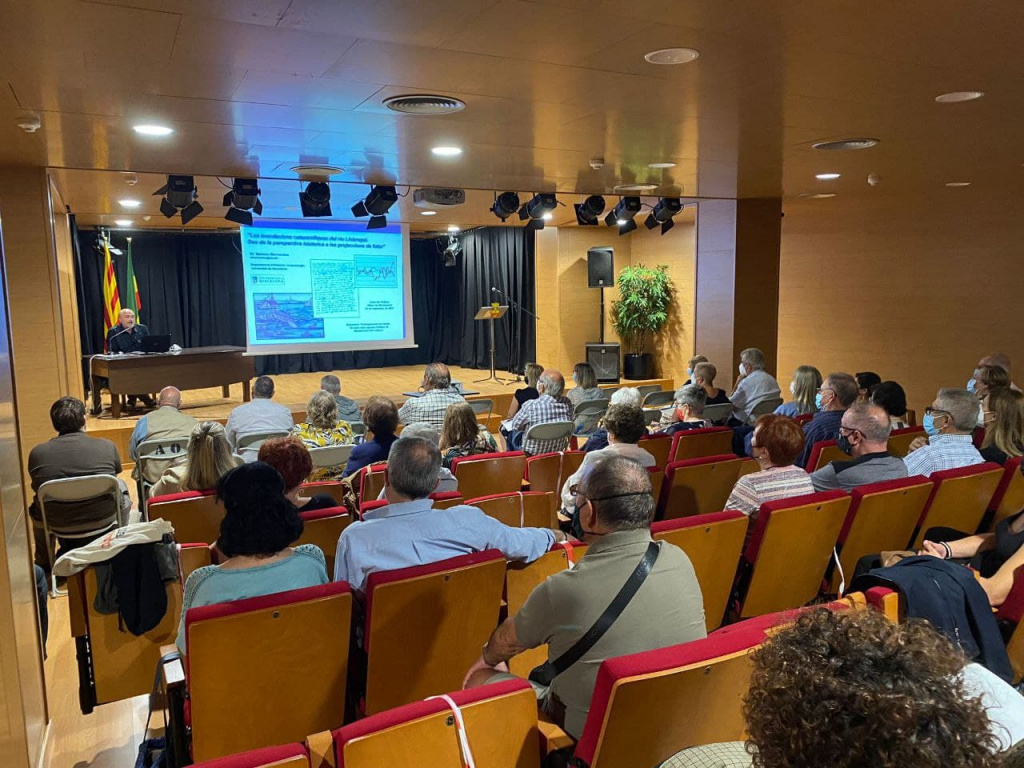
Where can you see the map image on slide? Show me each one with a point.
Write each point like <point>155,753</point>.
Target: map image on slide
<point>286,316</point>
<point>376,272</point>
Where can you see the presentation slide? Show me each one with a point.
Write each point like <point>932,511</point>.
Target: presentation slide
<point>324,286</point>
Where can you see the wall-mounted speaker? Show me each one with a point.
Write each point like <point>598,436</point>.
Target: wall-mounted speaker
<point>600,268</point>
<point>604,359</point>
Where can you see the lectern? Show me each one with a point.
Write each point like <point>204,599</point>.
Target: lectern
<point>490,313</point>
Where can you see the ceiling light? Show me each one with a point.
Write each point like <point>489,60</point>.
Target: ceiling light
<point>447,151</point>
<point>453,228</point>
<point>589,210</point>
<point>428,213</point>
<point>818,196</point>
<point>424,104</point>
<point>315,199</point>
<point>662,214</point>
<point>548,216</point>
<point>505,204</point>
<point>129,203</point>
<point>840,145</point>
<point>827,176</point>
<point>659,166</point>
<point>243,200</point>
<point>153,130</point>
<point>623,213</point>
<point>123,222</point>
<point>535,208</point>
<point>672,56</point>
<point>958,183</point>
<point>180,194</point>
<point>958,96</point>
<point>376,203</point>
<point>623,189</point>
<point>317,170</point>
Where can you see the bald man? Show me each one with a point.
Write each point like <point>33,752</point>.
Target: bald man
<point>864,435</point>
<point>127,337</point>
<point>165,422</point>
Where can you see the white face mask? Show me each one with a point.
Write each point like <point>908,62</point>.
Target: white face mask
<point>743,370</point>
<point>792,387</point>
<point>689,372</point>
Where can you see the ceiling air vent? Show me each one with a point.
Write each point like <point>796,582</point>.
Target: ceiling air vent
<point>424,104</point>
<point>846,144</point>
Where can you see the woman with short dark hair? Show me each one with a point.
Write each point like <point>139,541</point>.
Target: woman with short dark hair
<point>586,389</point>
<point>381,418</point>
<point>260,525</point>
<point>891,398</point>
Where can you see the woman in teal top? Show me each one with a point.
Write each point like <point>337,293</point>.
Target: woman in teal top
<point>259,526</point>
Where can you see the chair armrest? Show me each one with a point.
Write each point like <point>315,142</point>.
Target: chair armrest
<point>552,737</point>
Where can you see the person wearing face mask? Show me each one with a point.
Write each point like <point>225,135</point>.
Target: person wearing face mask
<point>754,386</point>
<point>691,367</point>
<point>863,435</point>
<point>615,513</point>
<point>998,359</point>
<point>805,384</point>
<point>689,403</point>
<point>1004,426</point>
<point>948,422</point>
<point>704,377</point>
<point>837,393</point>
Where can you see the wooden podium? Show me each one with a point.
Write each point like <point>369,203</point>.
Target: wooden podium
<point>492,312</point>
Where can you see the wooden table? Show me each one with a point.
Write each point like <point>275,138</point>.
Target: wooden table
<point>195,368</point>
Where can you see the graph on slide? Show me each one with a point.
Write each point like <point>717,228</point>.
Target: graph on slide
<point>376,272</point>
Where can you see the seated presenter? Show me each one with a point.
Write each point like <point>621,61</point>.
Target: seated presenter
<point>126,337</point>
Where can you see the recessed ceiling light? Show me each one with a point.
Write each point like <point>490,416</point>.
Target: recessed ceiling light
<point>827,176</point>
<point>958,183</point>
<point>428,213</point>
<point>424,104</point>
<point>153,130</point>
<point>958,96</point>
<point>623,189</point>
<point>453,228</point>
<point>845,144</point>
<point>129,203</point>
<point>548,216</point>
<point>818,196</point>
<point>447,151</point>
<point>123,222</point>
<point>317,170</point>
<point>672,56</point>
<point>661,165</point>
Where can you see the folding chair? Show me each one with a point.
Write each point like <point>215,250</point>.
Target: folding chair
<point>823,453</point>
<point>195,515</point>
<point>658,445</point>
<point>520,509</point>
<point>500,722</point>
<point>425,626</point>
<point>358,428</point>
<point>332,488</point>
<point>323,527</point>
<point>489,473</point>
<point>698,486</point>
<point>252,442</point>
<point>1008,499</point>
<point>254,678</point>
<point>697,443</point>
<point>589,411</point>
<point>900,440</point>
<point>648,389</point>
<point>286,756</point>
<point>659,399</point>
<point>154,457</point>
<point>765,406</point>
<point>718,413</point>
<point>483,405</point>
<point>713,543</point>
<point>789,551</point>
<point>552,431</point>
<point>547,472</point>
<point>959,499</point>
<point>330,456</point>
<point>76,510</point>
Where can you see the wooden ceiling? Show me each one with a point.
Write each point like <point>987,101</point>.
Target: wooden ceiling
<point>254,87</point>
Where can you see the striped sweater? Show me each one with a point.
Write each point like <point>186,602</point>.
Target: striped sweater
<point>772,484</point>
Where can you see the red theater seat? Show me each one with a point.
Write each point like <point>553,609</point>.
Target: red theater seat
<point>823,453</point>
<point>697,443</point>
<point>522,509</point>
<point>549,471</point>
<point>489,473</point>
<point>195,515</point>
<point>287,756</point>
<point>1008,499</point>
<point>698,486</point>
<point>960,498</point>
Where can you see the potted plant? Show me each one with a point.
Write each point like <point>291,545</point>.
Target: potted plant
<point>640,314</point>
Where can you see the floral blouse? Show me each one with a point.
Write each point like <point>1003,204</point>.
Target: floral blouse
<point>317,437</point>
<point>484,443</point>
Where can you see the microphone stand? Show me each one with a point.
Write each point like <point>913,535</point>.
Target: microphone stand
<point>518,308</point>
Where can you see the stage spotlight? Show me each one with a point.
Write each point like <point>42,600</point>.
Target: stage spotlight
<point>453,249</point>
<point>535,208</point>
<point>315,199</point>
<point>505,205</point>
<point>243,200</point>
<point>629,226</point>
<point>663,212</point>
<point>180,195</point>
<point>589,210</point>
<point>623,213</point>
<point>377,203</point>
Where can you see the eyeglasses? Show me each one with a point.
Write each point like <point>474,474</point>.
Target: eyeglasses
<point>825,389</point>
<point>849,430</point>
<point>934,411</point>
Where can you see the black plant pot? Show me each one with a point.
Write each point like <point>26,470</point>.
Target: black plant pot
<point>639,366</point>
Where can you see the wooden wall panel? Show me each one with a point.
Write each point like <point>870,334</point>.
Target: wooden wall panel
<point>715,286</point>
<point>66,295</point>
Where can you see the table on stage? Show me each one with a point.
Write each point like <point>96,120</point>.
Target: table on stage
<point>195,368</point>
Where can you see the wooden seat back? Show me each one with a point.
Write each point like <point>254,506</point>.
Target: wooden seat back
<point>488,473</point>
<point>1012,611</point>
<point>959,498</point>
<point>323,527</point>
<point>332,488</point>
<point>256,678</point>
<point>900,440</point>
<point>1008,499</point>
<point>823,453</point>
<point>425,626</point>
<point>500,726</point>
<point>697,486</point>
<point>659,445</point>
<point>522,509</point>
<point>195,515</point>
<point>547,472</point>
<point>714,544</point>
<point>657,477</point>
<point>789,550</point>
<point>286,756</point>
<point>372,479</point>
<point>697,443</point>
<point>191,557</point>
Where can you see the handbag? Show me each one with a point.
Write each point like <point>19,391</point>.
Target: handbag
<point>546,673</point>
<point>153,752</point>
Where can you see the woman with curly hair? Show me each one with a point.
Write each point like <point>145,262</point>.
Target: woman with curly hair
<point>260,525</point>
<point>463,435</point>
<point>321,429</point>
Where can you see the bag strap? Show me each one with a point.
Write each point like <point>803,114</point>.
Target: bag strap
<point>606,619</point>
<point>158,686</point>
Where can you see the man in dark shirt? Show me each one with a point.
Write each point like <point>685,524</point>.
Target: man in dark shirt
<point>837,393</point>
<point>127,337</point>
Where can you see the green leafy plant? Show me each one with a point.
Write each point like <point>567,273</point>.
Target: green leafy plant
<point>641,312</point>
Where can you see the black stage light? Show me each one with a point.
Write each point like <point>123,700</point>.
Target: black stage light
<point>589,210</point>
<point>623,213</point>
<point>180,195</point>
<point>663,212</point>
<point>243,200</point>
<point>505,205</point>
<point>377,203</point>
<point>315,199</point>
<point>629,226</point>
<point>535,208</point>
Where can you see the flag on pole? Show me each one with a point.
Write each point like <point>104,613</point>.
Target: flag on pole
<point>111,301</point>
<point>132,300</point>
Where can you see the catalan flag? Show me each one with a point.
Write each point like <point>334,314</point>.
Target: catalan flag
<point>111,301</point>
<point>132,300</point>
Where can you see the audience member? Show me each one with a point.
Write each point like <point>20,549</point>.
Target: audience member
<point>991,378</point>
<point>165,422</point>
<point>321,429</point>
<point>754,385</point>
<point>208,459</point>
<point>615,512</point>
<point>625,426</point>
<point>689,402</point>
<point>586,389</point>
<point>260,525</point>
<point>890,396</point>
<point>446,481</point>
<point>72,453</point>
<point>348,409</point>
<point>837,393</point>
<point>949,423</point>
<point>998,359</point>
<point>259,416</point>
<point>550,407</point>
<point>866,383</point>
<point>623,396</point>
<point>529,392</point>
<point>691,368</point>
<point>463,435</point>
<point>438,394</point>
<point>292,461</point>
<point>776,443</point>
<point>408,531</point>
<point>804,387</point>
<point>381,418</point>
<point>1004,426</point>
<point>864,435</point>
<point>704,377</point>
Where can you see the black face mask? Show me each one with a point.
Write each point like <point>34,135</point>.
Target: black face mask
<point>844,445</point>
<point>575,526</point>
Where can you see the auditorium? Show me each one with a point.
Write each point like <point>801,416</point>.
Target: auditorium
<point>521,384</point>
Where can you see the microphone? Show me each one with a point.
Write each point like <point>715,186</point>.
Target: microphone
<point>123,330</point>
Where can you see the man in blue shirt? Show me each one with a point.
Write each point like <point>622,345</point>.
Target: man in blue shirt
<point>837,393</point>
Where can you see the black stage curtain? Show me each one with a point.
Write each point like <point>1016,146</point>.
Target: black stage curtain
<point>192,288</point>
